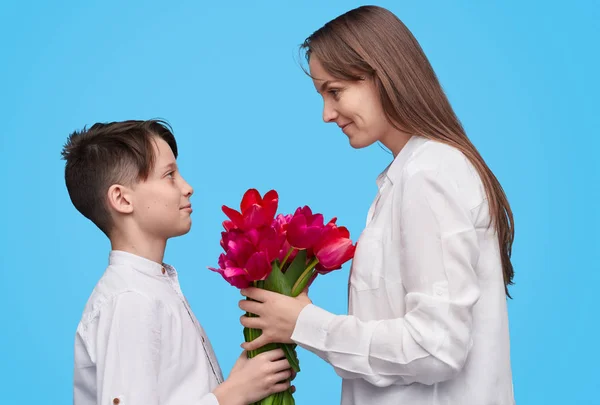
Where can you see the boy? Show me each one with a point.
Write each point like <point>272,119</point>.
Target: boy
<point>138,341</point>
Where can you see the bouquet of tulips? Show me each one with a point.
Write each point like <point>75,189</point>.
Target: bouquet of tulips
<point>282,253</point>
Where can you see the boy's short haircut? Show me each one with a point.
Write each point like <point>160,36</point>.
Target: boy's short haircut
<point>107,154</point>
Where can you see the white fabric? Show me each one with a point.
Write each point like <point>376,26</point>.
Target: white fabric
<point>427,321</point>
<point>138,342</point>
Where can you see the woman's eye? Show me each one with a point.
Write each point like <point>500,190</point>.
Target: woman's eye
<point>335,93</point>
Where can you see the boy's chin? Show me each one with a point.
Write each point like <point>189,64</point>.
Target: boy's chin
<point>179,231</point>
<point>183,230</point>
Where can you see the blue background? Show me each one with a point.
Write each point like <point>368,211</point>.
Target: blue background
<point>522,77</point>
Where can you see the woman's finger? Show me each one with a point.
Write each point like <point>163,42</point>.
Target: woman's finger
<point>250,306</point>
<point>251,322</point>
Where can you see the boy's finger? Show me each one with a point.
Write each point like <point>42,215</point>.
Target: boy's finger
<point>276,354</point>
<point>281,387</point>
<point>282,376</point>
<point>281,365</point>
<point>255,344</point>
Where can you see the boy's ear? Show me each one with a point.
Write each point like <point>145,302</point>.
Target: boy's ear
<point>119,199</point>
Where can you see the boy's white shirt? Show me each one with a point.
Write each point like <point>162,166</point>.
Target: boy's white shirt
<point>138,341</point>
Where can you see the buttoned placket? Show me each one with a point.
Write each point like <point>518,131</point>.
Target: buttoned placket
<point>177,290</point>
<point>383,184</point>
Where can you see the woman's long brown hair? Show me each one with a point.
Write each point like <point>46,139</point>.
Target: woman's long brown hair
<point>371,41</point>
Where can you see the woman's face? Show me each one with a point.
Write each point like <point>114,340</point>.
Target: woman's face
<point>354,106</point>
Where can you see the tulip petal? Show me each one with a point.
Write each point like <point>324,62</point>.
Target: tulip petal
<point>336,253</point>
<point>334,248</point>
<point>254,217</point>
<point>343,232</point>
<point>239,249</point>
<point>258,266</point>
<point>234,216</point>
<point>237,277</point>
<point>270,203</point>
<point>304,229</point>
<point>228,225</point>
<point>250,198</point>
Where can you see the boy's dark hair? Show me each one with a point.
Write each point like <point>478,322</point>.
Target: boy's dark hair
<point>107,154</point>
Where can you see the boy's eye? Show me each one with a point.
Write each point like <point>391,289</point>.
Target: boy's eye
<point>170,175</point>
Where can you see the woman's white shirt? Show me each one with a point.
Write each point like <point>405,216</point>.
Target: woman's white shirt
<point>427,319</point>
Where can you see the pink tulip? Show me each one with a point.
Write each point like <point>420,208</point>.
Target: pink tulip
<point>304,229</point>
<point>334,248</point>
<point>238,248</point>
<point>281,224</point>
<point>258,266</point>
<point>266,239</point>
<point>236,276</point>
<point>244,261</point>
<point>255,211</point>
<point>254,238</point>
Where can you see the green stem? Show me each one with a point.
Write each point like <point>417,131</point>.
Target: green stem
<point>301,282</point>
<point>252,333</point>
<point>287,256</point>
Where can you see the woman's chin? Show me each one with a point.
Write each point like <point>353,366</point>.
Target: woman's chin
<point>358,143</point>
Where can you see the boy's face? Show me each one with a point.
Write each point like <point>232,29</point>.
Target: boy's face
<point>162,207</point>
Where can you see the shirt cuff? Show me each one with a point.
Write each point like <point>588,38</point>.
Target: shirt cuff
<point>209,399</point>
<point>311,327</point>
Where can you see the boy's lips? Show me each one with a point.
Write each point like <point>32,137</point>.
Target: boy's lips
<point>187,208</point>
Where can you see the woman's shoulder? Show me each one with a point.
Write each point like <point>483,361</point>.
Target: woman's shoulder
<point>432,155</point>
<point>434,159</point>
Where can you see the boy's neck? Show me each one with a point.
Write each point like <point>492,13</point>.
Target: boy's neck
<point>151,249</point>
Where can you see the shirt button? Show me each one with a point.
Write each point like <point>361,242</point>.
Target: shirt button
<point>116,401</point>
<point>163,270</point>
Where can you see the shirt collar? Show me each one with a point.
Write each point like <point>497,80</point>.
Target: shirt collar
<point>141,264</point>
<point>393,170</point>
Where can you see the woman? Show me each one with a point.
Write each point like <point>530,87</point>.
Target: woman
<point>427,319</point>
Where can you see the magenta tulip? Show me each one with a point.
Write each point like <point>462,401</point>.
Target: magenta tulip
<point>266,239</point>
<point>305,228</point>
<point>243,262</point>
<point>258,266</point>
<point>334,248</point>
<point>255,211</point>
<point>236,276</point>
<point>281,224</point>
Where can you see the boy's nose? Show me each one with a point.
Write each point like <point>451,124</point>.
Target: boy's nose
<point>187,189</point>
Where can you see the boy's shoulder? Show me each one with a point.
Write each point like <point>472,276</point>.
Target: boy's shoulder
<point>117,281</point>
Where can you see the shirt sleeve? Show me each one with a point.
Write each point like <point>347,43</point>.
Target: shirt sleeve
<point>129,350</point>
<point>438,250</point>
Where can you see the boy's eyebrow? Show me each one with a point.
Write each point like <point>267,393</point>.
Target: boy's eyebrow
<point>171,166</point>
